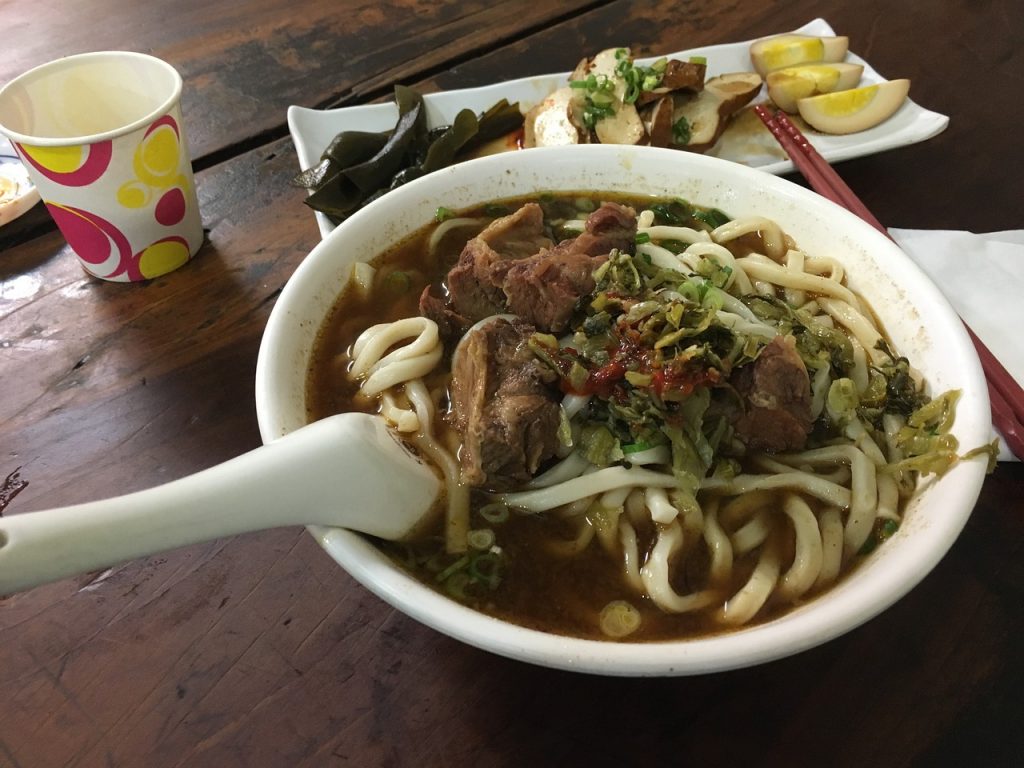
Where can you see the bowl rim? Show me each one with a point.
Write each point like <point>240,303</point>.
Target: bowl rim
<point>801,628</point>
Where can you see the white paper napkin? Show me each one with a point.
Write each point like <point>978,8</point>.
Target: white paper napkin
<point>982,276</point>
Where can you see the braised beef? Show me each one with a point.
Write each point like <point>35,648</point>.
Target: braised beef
<point>544,289</point>
<point>512,267</point>
<point>450,324</point>
<point>505,404</point>
<point>777,396</point>
<point>475,282</point>
<point>612,226</point>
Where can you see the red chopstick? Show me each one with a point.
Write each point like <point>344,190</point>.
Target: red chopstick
<point>1005,393</point>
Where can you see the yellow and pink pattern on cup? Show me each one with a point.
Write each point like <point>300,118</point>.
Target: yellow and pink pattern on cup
<point>157,184</point>
<point>124,196</point>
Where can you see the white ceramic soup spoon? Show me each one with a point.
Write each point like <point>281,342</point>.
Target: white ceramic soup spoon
<point>347,471</point>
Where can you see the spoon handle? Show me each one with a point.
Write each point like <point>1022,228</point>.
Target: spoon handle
<point>346,471</point>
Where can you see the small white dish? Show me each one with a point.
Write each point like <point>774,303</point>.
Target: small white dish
<point>17,192</point>
<point>313,129</point>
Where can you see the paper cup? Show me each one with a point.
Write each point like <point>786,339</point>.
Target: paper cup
<point>102,138</point>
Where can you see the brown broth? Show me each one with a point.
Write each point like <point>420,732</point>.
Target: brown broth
<point>538,588</point>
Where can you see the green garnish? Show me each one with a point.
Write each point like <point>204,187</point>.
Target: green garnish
<point>713,217</point>
<point>481,539</point>
<point>397,282</point>
<point>471,572</point>
<point>638,78</point>
<point>884,529</point>
<point>676,213</point>
<point>681,131</point>
<point>495,512</point>
<point>495,210</point>
<point>599,98</point>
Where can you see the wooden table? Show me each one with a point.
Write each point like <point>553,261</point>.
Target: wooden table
<point>258,650</point>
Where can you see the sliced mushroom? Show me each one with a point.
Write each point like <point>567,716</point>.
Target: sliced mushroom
<point>551,124</point>
<point>581,71</point>
<point>624,127</point>
<point>709,111</point>
<point>606,62</point>
<point>684,75</point>
<point>659,125</point>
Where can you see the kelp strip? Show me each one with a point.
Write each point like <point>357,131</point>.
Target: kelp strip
<point>359,166</point>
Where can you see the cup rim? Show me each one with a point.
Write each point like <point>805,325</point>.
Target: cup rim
<point>66,61</point>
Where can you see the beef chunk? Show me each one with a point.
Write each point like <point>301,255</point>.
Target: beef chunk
<point>544,289</point>
<point>475,282</point>
<point>612,226</point>
<point>777,396</point>
<point>450,324</point>
<point>504,402</point>
<point>512,267</point>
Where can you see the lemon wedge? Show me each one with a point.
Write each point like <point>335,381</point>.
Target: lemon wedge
<point>787,85</point>
<point>856,109</point>
<point>771,53</point>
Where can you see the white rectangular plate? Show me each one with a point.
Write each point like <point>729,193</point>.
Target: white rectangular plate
<point>313,129</point>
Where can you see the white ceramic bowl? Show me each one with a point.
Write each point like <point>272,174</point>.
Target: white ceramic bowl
<point>917,318</point>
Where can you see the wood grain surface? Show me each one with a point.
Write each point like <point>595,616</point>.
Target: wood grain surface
<point>258,650</point>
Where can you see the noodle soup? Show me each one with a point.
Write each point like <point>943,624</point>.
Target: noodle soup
<point>681,424</point>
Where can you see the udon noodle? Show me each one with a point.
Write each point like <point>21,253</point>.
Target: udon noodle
<point>653,492</point>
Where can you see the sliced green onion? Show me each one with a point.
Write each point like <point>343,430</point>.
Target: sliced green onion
<point>486,568</point>
<point>458,565</point>
<point>443,214</point>
<point>884,529</point>
<point>698,59</point>
<point>495,512</point>
<point>888,529</point>
<point>681,131</point>
<point>397,281</point>
<point>713,217</point>
<point>641,238</point>
<point>495,210</point>
<point>456,585</point>
<point>619,619</point>
<point>481,539</point>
